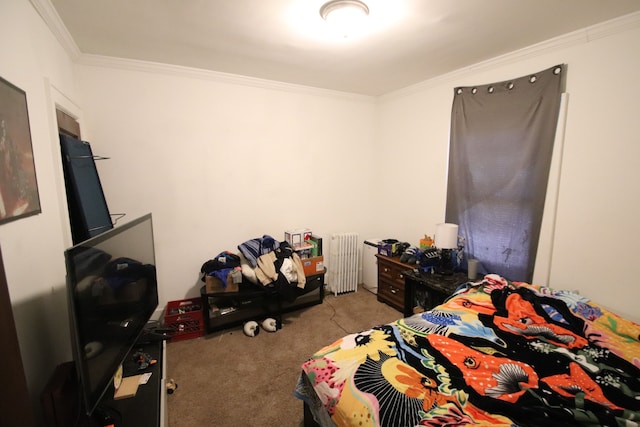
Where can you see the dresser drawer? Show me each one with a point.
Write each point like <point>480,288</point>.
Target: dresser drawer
<point>391,293</point>
<point>391,272</point>
<point>391,281</point>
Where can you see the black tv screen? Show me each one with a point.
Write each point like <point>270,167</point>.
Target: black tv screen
<point>88,210</point>
<point>112,294</point>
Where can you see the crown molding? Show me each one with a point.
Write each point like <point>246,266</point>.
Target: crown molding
<point>604,29</point>
<point>575,38</point>
<point>51,18</point>
<point>217,76</point>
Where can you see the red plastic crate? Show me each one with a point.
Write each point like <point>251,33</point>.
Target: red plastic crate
<point>184,317</point>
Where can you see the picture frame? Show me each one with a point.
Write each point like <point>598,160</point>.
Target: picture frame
<point>19,197</point>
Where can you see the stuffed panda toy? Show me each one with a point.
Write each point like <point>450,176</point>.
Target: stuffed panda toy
<point>270,325</point>
<point>251,328</point>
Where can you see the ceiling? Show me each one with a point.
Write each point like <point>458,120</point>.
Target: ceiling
<point>404,42</point>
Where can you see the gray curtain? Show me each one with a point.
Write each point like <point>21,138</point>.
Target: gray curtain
<point>500,153</point>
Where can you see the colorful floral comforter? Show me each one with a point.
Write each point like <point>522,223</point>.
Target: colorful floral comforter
<point>496,353</point>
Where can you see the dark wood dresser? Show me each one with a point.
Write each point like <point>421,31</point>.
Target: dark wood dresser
<point>391,281</point>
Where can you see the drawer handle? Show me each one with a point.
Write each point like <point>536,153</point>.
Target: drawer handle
<point>401,276</point>
<point>386,270</point>
<point>394,291</point>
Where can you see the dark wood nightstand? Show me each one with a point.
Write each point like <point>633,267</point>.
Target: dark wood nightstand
<point>391,281</point>
<point>423,291</point>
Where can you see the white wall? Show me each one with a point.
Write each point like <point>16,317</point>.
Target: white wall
<point>596,225</point>
<point>32,248</point>
<point>218,163</point>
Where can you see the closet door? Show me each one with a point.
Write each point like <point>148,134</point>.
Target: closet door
<point>15,406</point>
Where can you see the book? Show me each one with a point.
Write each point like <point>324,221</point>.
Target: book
<point>314,249</point>
<point>317,242</point>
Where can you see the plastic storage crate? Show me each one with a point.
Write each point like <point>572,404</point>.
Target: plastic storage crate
<point>184,317</point>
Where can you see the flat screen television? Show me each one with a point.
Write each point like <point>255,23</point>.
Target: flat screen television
<point>88,211</point>
<point>112,293</point>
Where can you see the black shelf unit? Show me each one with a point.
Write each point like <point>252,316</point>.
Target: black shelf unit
<point>255,302</point>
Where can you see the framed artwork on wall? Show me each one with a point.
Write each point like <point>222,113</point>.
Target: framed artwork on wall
<point>19,196</point>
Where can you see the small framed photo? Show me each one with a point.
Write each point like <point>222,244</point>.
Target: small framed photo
<point>19,196</point>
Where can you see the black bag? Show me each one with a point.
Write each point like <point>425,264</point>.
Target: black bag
<point>223,260</point>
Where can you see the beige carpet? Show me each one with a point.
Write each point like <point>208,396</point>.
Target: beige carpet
<point>229,379</point>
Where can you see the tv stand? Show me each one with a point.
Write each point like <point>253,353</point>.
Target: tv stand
<point>154,335</point>
<point>148,408</point>
<point>105,416</point>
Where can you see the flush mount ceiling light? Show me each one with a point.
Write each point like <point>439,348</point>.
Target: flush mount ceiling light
<point>345,15</point>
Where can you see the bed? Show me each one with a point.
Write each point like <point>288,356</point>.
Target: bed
<point>495,353</point>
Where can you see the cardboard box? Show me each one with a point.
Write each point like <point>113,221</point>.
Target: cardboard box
<point>389,249</point>
<point>215,285</point>
<point>313,265</point>
<point>297,238</point>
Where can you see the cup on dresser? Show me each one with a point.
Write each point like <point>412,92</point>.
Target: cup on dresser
<point>472,269</point>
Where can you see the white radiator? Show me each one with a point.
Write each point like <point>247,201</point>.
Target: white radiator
<point>343,267</point>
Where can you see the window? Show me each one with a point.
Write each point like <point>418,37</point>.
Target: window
<point>501,145</point>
